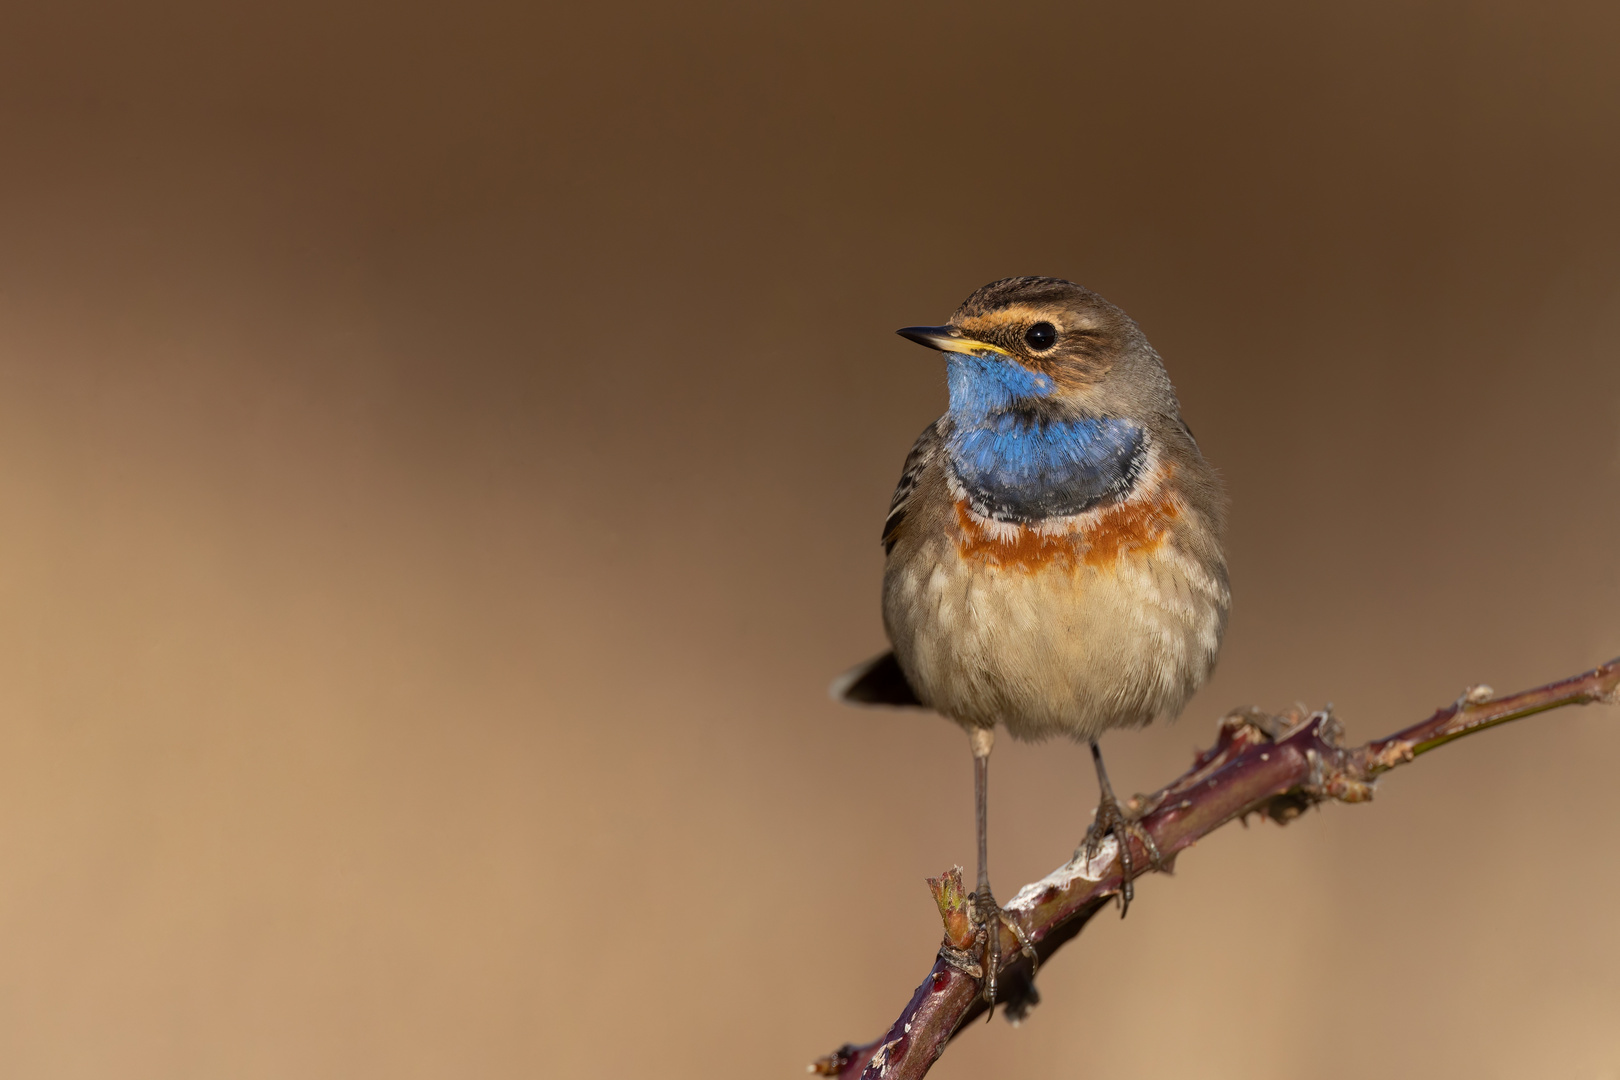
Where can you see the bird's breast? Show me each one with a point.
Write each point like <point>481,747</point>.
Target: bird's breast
<point>1123,531</point>
<point>1101,619</point>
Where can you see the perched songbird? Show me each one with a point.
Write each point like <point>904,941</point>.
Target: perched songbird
<point>1054,544</point>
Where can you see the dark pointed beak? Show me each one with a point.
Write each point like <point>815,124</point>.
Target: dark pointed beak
<point>946,339</point>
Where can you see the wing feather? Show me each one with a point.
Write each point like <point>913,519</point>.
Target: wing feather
<point>922,455</point>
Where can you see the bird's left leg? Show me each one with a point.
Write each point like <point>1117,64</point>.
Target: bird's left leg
<point>1111,818</point>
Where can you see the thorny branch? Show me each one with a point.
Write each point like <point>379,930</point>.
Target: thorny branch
<point>1278,766</point>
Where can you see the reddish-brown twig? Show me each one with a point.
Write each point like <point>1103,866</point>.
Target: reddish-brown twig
<point>1273,765</point>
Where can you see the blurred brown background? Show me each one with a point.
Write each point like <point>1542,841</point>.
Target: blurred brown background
<point>442,452</point>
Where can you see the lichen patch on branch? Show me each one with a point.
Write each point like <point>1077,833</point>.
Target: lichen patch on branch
<point>1064,877</point>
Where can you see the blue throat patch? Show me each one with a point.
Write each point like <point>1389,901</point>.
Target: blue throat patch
<point>1018,467</point>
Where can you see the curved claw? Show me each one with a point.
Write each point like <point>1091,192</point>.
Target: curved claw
<point>1111,819</point>
<point>983,904</point>
<point>1024,945</point>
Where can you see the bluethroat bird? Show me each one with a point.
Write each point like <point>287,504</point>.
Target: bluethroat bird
<point>1054,557</point>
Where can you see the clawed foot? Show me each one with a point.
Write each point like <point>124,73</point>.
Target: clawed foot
<point>985,912</point>
<point>987,936</point>
<point>1112,819</point>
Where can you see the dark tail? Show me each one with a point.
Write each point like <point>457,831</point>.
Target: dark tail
<point>879,681</point>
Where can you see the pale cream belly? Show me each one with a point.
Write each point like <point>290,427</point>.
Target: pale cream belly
<point>1064,648</point>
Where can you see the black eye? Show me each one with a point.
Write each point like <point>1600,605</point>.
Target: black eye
<point>1041,336</point>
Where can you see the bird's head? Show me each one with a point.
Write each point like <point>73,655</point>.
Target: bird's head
<point>1050,345</point>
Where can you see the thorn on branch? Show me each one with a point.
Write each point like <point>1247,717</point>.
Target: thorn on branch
<point>1243,723</point>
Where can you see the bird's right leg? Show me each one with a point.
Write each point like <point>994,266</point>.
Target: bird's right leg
<point>985,908</point>
<point>987,914</point>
